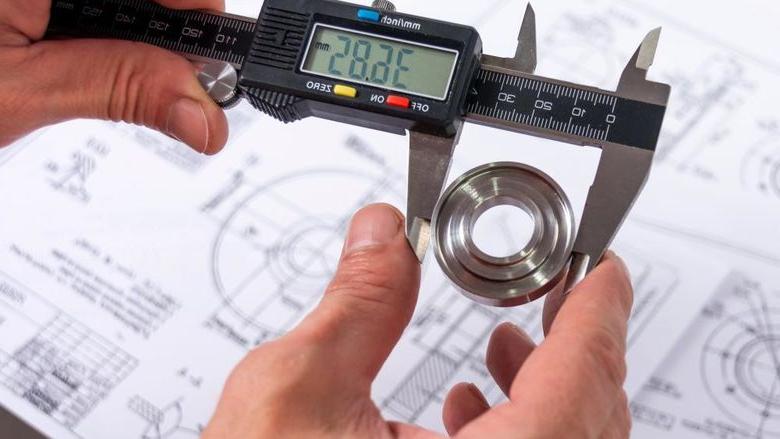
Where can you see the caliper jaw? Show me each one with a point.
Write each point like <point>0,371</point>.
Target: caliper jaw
<point>430,158</point>
<point>622,171</point>
<point>525,54</point>
<point>430,155</point>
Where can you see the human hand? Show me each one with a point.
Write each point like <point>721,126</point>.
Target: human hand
<point>45,82</point>
<point>316,380</point>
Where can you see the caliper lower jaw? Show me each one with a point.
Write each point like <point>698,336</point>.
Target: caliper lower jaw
<point>430,158</point>
<point>622,173</point>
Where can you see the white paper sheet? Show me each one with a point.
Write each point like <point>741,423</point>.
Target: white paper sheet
<point>719,381</point>
<point>722,382</point>
<point>135,273</point>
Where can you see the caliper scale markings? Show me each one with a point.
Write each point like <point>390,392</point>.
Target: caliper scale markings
<point>527,103</point>
<point>199,35</point>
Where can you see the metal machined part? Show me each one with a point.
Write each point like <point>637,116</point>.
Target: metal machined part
<point>527,275</point>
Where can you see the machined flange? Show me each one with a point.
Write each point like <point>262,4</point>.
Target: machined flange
<point>527,275</point>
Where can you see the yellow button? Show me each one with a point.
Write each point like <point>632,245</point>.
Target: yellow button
<point>343,90</point>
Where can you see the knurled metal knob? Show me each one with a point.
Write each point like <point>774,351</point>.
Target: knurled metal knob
<point>220,80</point>
<point>383,5</point>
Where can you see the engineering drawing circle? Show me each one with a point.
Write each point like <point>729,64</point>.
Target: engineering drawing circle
<point>283,240</point>
<point>740,365</point>
<point>761,168</point>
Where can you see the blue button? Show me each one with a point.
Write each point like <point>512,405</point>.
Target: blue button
<point>368,15</point>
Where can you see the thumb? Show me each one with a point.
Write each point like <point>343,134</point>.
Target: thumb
<point>115,80</point>
<point>370,300</point>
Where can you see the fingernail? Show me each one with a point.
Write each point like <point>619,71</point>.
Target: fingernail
<point>187,123</point>
<point>371,226</point>
<point>478,394</point>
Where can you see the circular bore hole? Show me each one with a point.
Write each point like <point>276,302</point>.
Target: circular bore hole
<point>503,231</point>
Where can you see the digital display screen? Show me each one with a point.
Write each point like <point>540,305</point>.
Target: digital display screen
<point>383,62</point>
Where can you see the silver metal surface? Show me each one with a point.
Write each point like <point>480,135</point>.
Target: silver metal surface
<point>531,273</point>
<point>633,82</point>
<point>578,269</point>
<point>430,157</point>
<point>220,80</point>
<point>525,55</point>
<point>620,178</point>
<point>383,5</point>
<point>623,170</point>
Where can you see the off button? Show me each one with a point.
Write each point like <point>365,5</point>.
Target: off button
<point>398,101</point>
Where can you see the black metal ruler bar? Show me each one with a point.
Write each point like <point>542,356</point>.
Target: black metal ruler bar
<point>578,114</point>
<point>198,35</point>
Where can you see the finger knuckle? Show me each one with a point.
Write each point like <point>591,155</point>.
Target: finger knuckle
<point>362,279</point>
<point>139,78</point>
<point>132,81</point>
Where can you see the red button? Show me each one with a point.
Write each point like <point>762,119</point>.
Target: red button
<point>398,101</point>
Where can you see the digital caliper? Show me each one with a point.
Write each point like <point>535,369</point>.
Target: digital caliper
<point>376,68</point>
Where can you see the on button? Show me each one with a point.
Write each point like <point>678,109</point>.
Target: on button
<point>398,101</point>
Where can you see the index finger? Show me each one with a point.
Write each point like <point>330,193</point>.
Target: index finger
<point>580,368</point>
<point>577,373</point>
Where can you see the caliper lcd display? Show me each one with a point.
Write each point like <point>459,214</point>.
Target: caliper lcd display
<point>380,61</point>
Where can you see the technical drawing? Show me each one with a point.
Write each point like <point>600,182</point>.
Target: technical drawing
<point>278,248</point>
<point>163,423</point>
<point>74,179</point>
<point>740,360</point>
<point>72,175</point>
<point>64,369</point>
<point>761,166</point>
<point>581,47</point>
<point>654,282</point>
<point>704,99</point>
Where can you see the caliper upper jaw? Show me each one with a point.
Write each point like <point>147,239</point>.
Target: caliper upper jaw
<point>633,82</point>
<point>430,158</point>
<point>525,55</point>
<point>622,171</point>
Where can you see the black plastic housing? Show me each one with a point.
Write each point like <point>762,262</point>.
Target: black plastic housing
<point>271,77</point>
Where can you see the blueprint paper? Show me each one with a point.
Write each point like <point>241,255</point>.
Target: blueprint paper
<point>108,307</point>
<point>134,273</point>
<point>722,382</point>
